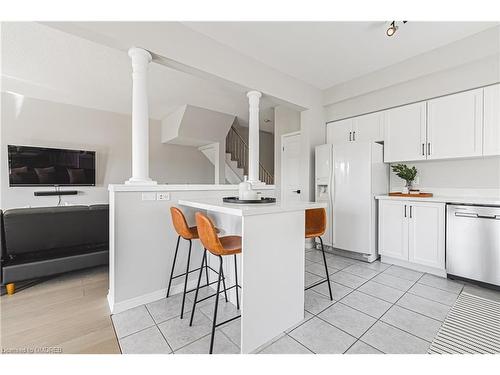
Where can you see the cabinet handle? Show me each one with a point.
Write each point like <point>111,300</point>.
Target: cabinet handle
<point>423,149</point>
<point>350,133</point>
<point>405,210</point>
<point>429,148</point>
<point>353,136</point>
<point>410,212</point>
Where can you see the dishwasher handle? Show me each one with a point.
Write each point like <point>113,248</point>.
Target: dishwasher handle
<point>477,216</point>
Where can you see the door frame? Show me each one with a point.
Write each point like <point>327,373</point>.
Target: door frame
<point>282,151</point>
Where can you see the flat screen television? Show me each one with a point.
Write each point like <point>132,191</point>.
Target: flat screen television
<point>42,166</point>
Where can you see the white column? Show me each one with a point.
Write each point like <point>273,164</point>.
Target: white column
<point>253,136</point>
<point>140,117</point>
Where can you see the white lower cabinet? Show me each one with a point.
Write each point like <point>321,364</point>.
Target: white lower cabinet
<point>413,232</point>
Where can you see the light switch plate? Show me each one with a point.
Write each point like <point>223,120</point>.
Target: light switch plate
<point>163,196</point>
<point>150,196</point>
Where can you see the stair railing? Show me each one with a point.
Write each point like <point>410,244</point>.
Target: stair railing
<point>238,148</point>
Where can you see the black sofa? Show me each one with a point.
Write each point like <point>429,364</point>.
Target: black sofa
<point>45,241</point>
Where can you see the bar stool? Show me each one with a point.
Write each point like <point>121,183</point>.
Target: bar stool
<point>188,233</point>
<point>218,246</point>
<point>316,227</point>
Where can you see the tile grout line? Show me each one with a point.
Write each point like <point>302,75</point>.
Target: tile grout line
<point>386,313</point>
<point>158,328</point>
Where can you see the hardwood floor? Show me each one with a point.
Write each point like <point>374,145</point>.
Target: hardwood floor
<point>66,314</point>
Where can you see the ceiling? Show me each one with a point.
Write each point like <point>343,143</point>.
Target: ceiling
<point>47,63</point>
<point>42,62</point>
<point>325,54</point>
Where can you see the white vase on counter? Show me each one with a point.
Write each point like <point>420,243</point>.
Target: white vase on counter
<point>245,191</point>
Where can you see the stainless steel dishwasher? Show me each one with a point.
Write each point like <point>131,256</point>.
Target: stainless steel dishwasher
<point>473,243</point>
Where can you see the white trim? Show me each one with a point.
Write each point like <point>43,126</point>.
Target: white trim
<point>119,307</point>
<point>122,187</point>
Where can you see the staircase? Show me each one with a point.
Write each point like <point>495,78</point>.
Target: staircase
<point>237,157</point>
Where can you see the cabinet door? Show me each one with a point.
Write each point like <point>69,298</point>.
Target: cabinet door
<point>393,229</point>
<point>368,127</point>
<point>455,125</point>
<point>339,131</point>
<point>491,136</point>
<point>426,233</point>
<point>405,133</point>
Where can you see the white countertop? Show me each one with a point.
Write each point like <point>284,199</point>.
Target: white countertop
<point>180,187</point>
<point>216,205</point>
<point>490,201</point>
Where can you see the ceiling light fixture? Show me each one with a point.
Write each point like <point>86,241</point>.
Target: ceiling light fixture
<point>391,30</point>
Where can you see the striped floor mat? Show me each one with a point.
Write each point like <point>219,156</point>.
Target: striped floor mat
<point>472,326</point>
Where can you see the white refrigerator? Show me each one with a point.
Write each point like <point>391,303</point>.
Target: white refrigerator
<point>348,177</point>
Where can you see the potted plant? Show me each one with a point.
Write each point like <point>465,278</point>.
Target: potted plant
<point>405,173</point>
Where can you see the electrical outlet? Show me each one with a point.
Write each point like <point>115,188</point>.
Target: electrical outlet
<point>163,196</point>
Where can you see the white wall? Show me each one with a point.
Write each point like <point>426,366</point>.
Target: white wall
<point>458,177</point>
<point>26,121</point>
<point>462,65</point>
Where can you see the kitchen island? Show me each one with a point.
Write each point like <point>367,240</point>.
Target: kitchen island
<point>271,264</point>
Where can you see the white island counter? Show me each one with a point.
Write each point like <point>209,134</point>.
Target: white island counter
<point>271,263</point>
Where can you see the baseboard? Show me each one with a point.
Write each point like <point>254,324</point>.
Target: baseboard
<point>118,307</point>
<point>413,266</point>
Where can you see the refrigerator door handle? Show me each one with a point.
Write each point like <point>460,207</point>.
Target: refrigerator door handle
<point>331,180</point>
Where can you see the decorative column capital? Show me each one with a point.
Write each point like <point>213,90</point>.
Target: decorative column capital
<point>253,97</point>
<point>140,58</point>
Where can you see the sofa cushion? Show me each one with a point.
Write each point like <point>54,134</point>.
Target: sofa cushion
<point>43,228</point>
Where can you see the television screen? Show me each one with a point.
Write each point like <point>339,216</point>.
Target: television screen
<point>41,166</point>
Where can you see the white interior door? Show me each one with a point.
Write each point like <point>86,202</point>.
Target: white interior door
<point>290,167</point>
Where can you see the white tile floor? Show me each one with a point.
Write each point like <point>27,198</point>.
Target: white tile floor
<point>378,308</point>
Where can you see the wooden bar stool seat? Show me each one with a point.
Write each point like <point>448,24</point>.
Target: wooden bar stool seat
<point>315,228</point>
<point>187,233</point>
<point>219,247</point>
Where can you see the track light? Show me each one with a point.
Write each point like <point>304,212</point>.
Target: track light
<point>391,30</point>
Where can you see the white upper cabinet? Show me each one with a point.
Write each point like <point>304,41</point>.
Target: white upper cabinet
<point>455,125</point>
<point>362,128</point>
<point>405,133</point>
<point>368,128</point>
<point>491,135</point>
<point>339,131</point>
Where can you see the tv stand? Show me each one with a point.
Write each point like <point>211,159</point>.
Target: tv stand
<point>60,192</point>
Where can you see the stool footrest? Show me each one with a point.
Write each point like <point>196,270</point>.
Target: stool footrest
<point>227,321</point>
<point>213,295</point>
<point>316,284</point>
<point>196,269</point>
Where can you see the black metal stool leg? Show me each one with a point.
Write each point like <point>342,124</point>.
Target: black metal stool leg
<point>206,273</point>
<point>173,265</point>
<point>236,282</point>
<point>214,322</point>
<point>186,279</point>
<point>203,260</point>
<point>224,283</point>
<point>326,269</point>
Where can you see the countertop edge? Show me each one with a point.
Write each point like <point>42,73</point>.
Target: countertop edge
<point>491,201</point>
